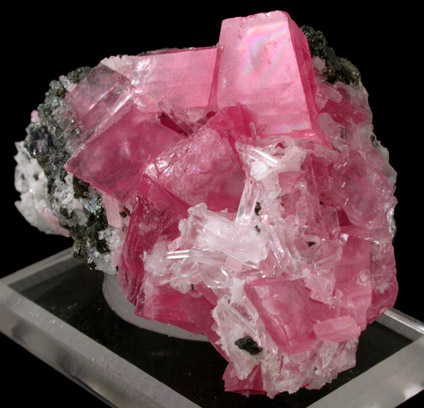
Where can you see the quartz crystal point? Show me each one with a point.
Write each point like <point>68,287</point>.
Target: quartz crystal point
<point>238,191</point>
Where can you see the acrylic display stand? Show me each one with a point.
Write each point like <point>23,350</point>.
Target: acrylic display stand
<point>57,310</point>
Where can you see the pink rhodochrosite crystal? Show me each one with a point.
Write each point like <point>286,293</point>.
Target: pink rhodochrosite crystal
<point>246,198</point>
<point>265,65</point>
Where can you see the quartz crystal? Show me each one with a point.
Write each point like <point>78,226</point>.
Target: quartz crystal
<point>237,191</point>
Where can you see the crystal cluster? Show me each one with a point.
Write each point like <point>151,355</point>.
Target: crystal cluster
<point>237,190</point>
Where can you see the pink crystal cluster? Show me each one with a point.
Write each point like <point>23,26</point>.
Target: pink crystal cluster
<point>252,202</point>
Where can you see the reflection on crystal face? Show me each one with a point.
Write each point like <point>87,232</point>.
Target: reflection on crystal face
<point>239,191</point>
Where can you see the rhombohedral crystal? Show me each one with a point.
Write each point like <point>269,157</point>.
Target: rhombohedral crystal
<point>237,191</point>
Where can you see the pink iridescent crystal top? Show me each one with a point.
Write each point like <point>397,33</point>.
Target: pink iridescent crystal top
<point>245,195</point>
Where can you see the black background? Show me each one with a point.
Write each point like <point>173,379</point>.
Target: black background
<point>40,44</point>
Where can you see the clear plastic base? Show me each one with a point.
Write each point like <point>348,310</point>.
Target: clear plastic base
<point>57,310</point>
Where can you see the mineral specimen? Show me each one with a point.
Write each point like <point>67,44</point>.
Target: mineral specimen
<point>238,191</point>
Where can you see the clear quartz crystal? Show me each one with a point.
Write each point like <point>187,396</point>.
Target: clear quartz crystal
<point>248,202</point>
<point>246,198</point>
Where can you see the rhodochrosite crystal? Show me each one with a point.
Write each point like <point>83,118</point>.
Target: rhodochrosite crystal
<point>237,190</point>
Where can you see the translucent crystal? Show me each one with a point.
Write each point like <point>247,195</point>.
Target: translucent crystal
<point>239,191</point>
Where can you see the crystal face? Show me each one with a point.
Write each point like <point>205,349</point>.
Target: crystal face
<point>237,191</point>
